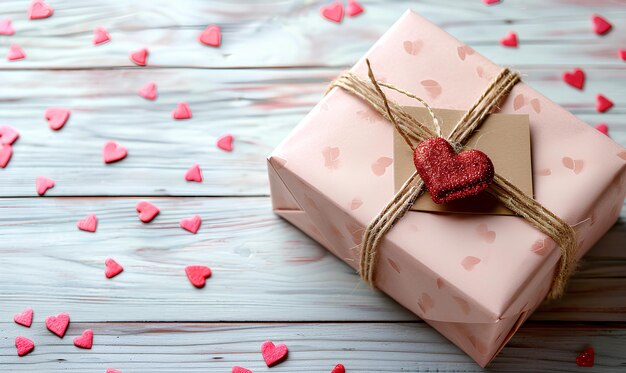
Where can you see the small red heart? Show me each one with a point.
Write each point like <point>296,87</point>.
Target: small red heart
<point>182,111</point>
<point>600,25</point>
<point>24,345</point>
<point>510,40</point>
<point>489,2</point>
<point>100,36</point>
<point>339,368</point>
<point>6,151</point>
<point>273,354</point>
<point>57,117</point>
<point>8,135</point>
<point>448,175</point>
<point>149,91</point>
<point>42,184</point>
<point>602,103</point>
<point>353,8</point>
<point>238,369</point>
<point>85,340</point>
<point>622,54</point>
<point>197,275</point>
<point>88,224</point>
<point>139,57</point>
<point>586,358</point>
<point>112,268</point>
<point>15,53</point>
<point>112,152</point>
<point>147,211</point>
<point>333,11</point>
<point>58,324</point>
<point>211,36</point>
<point>39,9</point>
<point>194,173</point>
<point>191,224</point>
<point>225,142</point>
<point>576,78</point>
<point>24,318</point>
<point>602,127</point>
<point>111,370</point>
<point>6,28</point>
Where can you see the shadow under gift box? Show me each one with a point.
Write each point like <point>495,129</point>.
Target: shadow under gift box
<point>474,278</point>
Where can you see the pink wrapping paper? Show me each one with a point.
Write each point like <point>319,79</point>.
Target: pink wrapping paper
<point>474,278</point>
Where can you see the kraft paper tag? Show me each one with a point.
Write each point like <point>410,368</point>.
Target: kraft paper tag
<point>505,138</point>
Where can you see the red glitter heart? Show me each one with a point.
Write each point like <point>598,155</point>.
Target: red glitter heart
<point>585,359</point>
<point>448,175</point>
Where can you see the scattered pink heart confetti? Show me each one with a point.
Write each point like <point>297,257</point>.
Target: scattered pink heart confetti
<point>182,111</point>
<point>112,268</point>
<point>191,224</point>
<point>15,53</point>
<point>112,152</point>
<point>238,369</point>
<point>8,135</point>
<point>339,368</point>
<point>6,28</point>
<point>353,8</point>
<point>490,2</point>
<point>24,318</point>
<point>42,184</point>
<point>147,211</point>
<point>24,345</point>
<point>85,340</point>
<point>149,91</point>
<point>88,224</point>
<point>510,40</point>
<point>6,151</point>
<point>225,142</point>
<point>139,57</point>
<point>194,173</point>
<point>39,9</point>
<point>576,78</point>
<point>273,354</point>
<point>197,275</point>
<point>603,127</point>
<point>211,36</point>
<point>600,25</point>
<point>111,370</point>
<point>57,117</point>
<point>100,36</point>
<point>58,324</point>
<point>333,11</point>
<point>603,104</point>
<point>586,358</point>
<point>622,54</point>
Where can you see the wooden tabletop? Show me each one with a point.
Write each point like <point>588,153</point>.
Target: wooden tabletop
<point>270,281</point>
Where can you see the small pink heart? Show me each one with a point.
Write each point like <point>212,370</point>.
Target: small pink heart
<point>380,165</point>
<point>15,53</point>
<point>6,28</point>
<point>88,224</point>
<point>510,40</point>
<point>576,78</point>
<point>600,25</point>
<point>540,247</point>
<point>353,8</point>
<point>484,232</point>
<point>432,87</point>
<point>57,117</point>
<point>111,370</point>
<point>425,302</point>
<point>621,53</point>
<point>469,262</point>
<point>575,165</point>
<point>112,268</point>
<point>8,135</point>
<point>6,151</point>
<point>273,354</point>
<point>24,318</point>
<point>339,368</point>
<point>464,51</point>
<point>197,275</point>
<point>225,142</point>
<point>211,36</point>
<point>463,304</point>
<point>85,340</point>
<point>544,172</point>
<point>112,152</point>
<point>490,2</point>
<point>139,57</point>
<point>191,224</point>
<point>356,203</point>
<point>331,157</point>
<point>333,11</point>
<point>413,47</point>
<point>149,91</point>
<point>238,369</point>
<point>602,103</point>
<point>58,324</point>
<point>603,127</point>
<point>24,345</point>
<point>42,184</point>
<point>100,36</point>
<point>194,173</point>
<point>536,105</point>
<point>147,211</point>
<point>39,9</point>
<point>182,111</point>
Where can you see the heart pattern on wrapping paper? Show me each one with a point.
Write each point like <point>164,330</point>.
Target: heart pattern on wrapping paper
<point>380,165</point>
<point>413,47</point>
<point>469,262</point>
<point>540,247</point>
<point>575,165</point>
<point>463,304</point>
<point>432,87</point>
<point>331,157</point>
<point>463,51</point>
<point>356,203</point>
<point>487,235</point>
<point>425,303</point>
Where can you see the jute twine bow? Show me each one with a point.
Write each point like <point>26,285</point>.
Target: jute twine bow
<point>413,132</point>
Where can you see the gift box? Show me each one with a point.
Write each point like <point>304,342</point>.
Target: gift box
<point>473,276</point>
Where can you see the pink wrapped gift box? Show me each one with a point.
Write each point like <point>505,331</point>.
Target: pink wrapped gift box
<point>474,278</point>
